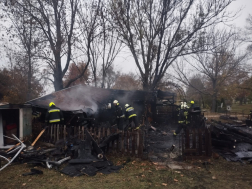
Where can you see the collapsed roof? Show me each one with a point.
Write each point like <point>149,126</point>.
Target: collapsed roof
<point>83,96</point>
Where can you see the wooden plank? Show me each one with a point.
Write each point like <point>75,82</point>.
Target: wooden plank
<point>95,134</point>
<point>200,141</point>
<point>51,137</point>
<point>128,143</point>
<point>82,133</point>
<point>99,135</point>
<point>122,143</point>
<point>108,131</point>
<point>193,138</point>
<point>54,133</point>
<point>108,145</point>
<point>64,132</point>
<point>57,132</point>
<point>133,143</point>
<point>103,132</point>
<point>140,147</point>
<point>207,143</point>
<point>187,138</point>
<point>118,144</point>
<point>182,144</point>
<point>210,143</point>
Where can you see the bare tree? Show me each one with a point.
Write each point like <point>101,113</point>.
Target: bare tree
<point>98,40</point>
<point>88,34</point>
<point>56,19</point>
<point>157,32</point>
<point>24,34</point>
<point>218,65</point>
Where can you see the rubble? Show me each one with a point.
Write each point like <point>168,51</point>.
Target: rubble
<point>84,157</point>
<point>233,142</point>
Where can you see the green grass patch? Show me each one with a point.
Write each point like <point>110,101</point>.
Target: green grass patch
<point>244,108</point>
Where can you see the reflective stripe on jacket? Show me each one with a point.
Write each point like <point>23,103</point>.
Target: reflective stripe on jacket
<point>54,115</point>
<point>130,112</point>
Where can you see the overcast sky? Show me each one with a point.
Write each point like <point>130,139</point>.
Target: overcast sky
<point>125,62</point>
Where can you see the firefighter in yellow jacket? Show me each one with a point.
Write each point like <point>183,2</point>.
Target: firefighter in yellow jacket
<point>131,116</point>
<point>54,114</point>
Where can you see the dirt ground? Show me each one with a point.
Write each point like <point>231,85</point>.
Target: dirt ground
<point>136,174</point>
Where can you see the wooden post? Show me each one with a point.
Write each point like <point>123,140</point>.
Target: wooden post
<point>51,137</point>
<point>108,131</point>
<point>57,133</point>
<point>103,132</point>
<point>193,139</point>
<point>64,132</point>
<point>54,133</point>
<point>82,133</point>
<point>133,143</point>
<point>183,144</point>
<point>140,147</point>
<point>210,143</point>
<point>200,141</point>
<point>128,143</point>
<point>122,143</point>
<point>99,135</point>
<point>187,141</point>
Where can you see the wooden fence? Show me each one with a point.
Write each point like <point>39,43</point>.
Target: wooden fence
<point>128,143</point>
<point>196,143</point>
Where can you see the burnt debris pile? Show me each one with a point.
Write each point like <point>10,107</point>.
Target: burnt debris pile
<point>74,157</point>
<point>233,142</point>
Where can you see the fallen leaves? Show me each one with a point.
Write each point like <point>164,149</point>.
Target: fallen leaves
<point>24,184</point>
<point>213,177</point>
<point>175,180</point>
<point>164,184</point>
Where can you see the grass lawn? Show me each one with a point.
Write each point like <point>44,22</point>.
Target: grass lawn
<point>241,108</point>
<point>136,174</point>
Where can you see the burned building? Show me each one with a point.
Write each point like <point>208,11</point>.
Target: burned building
<point>97,103</point>
<point>86,101</point>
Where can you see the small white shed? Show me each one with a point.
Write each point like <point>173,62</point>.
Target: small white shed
<point>14,119</point>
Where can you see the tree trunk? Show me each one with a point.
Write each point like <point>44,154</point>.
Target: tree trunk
<point>214,97</point>
<point>28,96</point>
<point>58,82</point>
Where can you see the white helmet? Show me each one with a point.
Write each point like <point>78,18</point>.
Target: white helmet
<point>127,105</point>
<point>115,101</point>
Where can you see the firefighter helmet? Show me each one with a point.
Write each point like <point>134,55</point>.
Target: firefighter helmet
<point>127,105</point>
<point>51,103</point>
<point>192,102</point>
<point>115,102</point>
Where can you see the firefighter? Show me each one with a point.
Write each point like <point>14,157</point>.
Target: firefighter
<point>119,115</point>
<point>131,116</point>
<point>192,105</point>
<point>182,117</point>
<point>54,114</point>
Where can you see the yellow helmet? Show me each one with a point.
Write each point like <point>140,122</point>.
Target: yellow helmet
<point>192,102</point>
<point>51,103</point>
